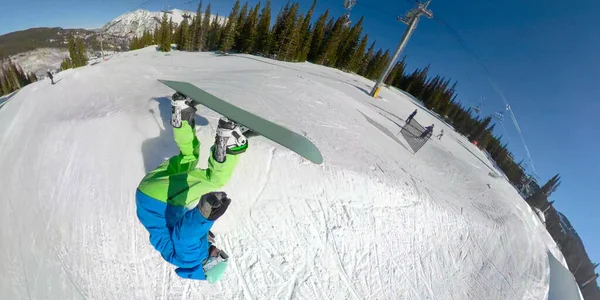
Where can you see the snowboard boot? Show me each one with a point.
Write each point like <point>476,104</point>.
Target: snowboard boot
<point>229,140</point>
<point>182,109</point>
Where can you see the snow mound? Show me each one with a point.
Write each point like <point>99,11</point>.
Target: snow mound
<point>374,221</point>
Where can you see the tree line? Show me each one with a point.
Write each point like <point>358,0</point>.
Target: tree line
<point>77,54</point>
<point>330,42</point>
<point>12,77</point>
<point>566,237</point>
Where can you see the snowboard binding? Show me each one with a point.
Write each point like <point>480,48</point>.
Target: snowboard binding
<point>182,109</point>
<point>230,139</point>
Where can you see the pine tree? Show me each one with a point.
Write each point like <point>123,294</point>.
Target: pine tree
<point>22,75</point>
<point>305,35</point>
<point>134,44</point>
<point>332,40</point>
<point>397,69</point>
<point>81,53</point>
<point>349,46</point>
<point>165,31</point>
<point>176,36</point>
<point>382,63</point>
<point>203,40</point>
<point>31,77</point>
<point>278,30</point>
<point>146,39</point>
<point>359,54</point>
<point>77,54</point>
<point>477,132</point>
<point>366,60</point>
<point>143,39</point>
<point>74,60</point>
<point>263,32</point>
<point>318,35</point>
<point>192,33</point>
<point>66,63</point>
<point>198,32</point>
<point>214,34</point>
<point>373,64</point>
<point>181,36</point>
<point>239,27</point>
<point>189,35</point>
<point>289,34</point>
<point>249,30</point>
<point>539,197</point>
<point>4,82</point>
<point>228,36</point>
<point>157,35</point>
<point>13,77</point>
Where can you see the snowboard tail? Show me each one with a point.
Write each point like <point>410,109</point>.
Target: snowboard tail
<point>276,133</point>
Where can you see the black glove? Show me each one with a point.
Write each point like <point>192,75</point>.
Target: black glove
<point>213,205</point>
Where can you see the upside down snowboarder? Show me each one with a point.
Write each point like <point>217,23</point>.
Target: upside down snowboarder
<point>179,203</point>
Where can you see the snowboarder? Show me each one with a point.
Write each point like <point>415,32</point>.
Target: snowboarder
<point>49,73</point>
<point>178,203</point>
<point>427,132</point>
<point>411,116</point>
<point>439,136</point>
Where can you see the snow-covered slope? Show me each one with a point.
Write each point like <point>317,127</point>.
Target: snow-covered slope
<point>41,59</point>
<point>374,221</point>
<point>140,20</point>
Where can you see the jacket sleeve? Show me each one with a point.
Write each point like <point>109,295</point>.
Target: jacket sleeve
<point>189,239</point>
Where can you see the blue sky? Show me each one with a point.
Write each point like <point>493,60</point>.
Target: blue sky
<point>543,57</point>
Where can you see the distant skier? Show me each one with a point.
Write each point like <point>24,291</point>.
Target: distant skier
<point>439,136</point>
<point>178,203</point>
<point>49,73</point>
<point>411,116</point>
<point>427,132</point>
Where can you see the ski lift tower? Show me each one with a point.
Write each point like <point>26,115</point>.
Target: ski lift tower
<point>411,19</point>
<point>348,5</point>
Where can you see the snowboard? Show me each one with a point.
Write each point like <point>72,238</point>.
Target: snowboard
<point>257,125</point>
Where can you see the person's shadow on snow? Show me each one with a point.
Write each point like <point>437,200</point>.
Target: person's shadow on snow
<point>158,149</point>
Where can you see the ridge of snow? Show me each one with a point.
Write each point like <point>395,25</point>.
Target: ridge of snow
<point>138,21</point>
<point>373,221</point>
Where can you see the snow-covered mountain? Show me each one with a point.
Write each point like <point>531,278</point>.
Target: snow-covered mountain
<point>135,23</point>
<point>374,221</point>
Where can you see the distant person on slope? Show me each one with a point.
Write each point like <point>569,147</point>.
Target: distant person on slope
<point>439,136</point>
<point>178,203</point>
<point>50,76</point>
<point>427,132</point>
<point>411,116</point>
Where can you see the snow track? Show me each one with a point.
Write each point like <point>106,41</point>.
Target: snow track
<point>373,222</point>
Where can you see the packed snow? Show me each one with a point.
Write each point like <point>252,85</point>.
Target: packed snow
<point>374,221</point>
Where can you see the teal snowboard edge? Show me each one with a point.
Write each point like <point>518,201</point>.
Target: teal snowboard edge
<point>274,132</point>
